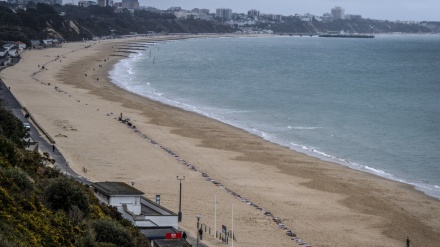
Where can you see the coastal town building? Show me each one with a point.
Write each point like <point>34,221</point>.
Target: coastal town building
<point>272,17</point>
<point>353,17</point>
<point>223,14</point>
<point>173,9</point>
<point>338,13</point>
<point>103,3</point>
<point>242,23</point>
<point>8,49</point>
<point>133,206</point>
<point>253,13</point>
<point>149,8</point>
<point>130,4</point>
<point>185,14</point>
<point>206,11</point>
<point>158,224</point>
<point>85,4</point>
<point>327,17</point>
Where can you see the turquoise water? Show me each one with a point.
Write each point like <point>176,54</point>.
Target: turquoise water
<point>370,104</point>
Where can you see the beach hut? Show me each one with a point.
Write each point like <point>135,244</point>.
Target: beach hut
<point>47,41</point>
<point>3,52</point>
<point>8,46</point>
<point>20,45</point>
<point>35,43</point>
<point>131,203</point>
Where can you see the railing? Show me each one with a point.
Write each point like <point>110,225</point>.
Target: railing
<point>38,125</point>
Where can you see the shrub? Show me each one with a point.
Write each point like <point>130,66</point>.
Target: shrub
<point>86,241</point>
<point>108,231</point>
<point>10,152</point>
<point>64,194</point>
<point>17,177</point>
<point>11,127</point>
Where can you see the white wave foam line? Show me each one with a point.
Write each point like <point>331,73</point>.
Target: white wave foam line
<point>323,154</point>
<point>300,146</point>
<point>303,128</point>
<point>340,160</point>
<point>432,190</point>
<point>378,171</point>
<point>260,133</point>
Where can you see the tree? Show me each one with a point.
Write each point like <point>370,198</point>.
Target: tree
<point>10,152</point>
<point>11,20</point>
<point>46,9</point>
<point>64,194</point>
<point>11,127</point>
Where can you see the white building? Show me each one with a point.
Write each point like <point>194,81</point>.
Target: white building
<point>7,49</point>
<point>184,14</point>
<point>242,23</point>
<point>338,13</point>
<point>327,17</point>
<point>253,13</point>
<point>353,17</point>
<point>206,11</point>
<point>86,4</point>
<point>3,52</point>
<point>103,3</point>
<point>130,4</point>
<point>133,206</point>
<point>223,14</point>
<point>20,45</point>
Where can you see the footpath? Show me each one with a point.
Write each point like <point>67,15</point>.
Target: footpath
<point>45,143</point>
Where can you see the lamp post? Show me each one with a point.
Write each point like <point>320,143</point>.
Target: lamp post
<point>179,216</point>
<point>198,220</point>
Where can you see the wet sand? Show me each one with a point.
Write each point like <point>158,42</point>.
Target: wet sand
<point>325,204</point>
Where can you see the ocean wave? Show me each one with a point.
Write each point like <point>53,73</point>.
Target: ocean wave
<point>303,128</point>
<point>431,190</point>
<point>118,75</point>
<point>378,171</point>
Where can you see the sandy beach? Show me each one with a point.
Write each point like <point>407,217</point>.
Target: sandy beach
<point>325,204</point>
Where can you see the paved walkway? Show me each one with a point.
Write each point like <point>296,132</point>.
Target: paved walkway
<point>44,145</point>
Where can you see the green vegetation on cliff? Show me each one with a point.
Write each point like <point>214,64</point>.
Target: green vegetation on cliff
<point>41,207</point>
<point>73,23</point>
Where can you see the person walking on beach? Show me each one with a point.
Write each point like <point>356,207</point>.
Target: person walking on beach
<point>53,148</point>
<point>201,233</point>
<point>184,235</point>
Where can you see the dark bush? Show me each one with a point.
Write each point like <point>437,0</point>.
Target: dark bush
<point>112,232</point>
<point>64,194</point>
<point>10,152</point>
<point>17,177</point>
<point>11,127</point>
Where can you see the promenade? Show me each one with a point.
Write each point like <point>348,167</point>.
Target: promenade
<point>44,145</point>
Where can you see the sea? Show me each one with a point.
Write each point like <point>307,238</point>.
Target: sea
<point>369,104</point>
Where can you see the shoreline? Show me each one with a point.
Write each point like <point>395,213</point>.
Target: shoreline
<point>427,189</point>
<point>317,200</point>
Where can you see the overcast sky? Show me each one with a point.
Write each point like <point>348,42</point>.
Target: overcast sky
<point>417,10</point>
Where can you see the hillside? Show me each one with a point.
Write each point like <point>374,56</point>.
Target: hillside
<point>40,207</point>
<point>73,23</point>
